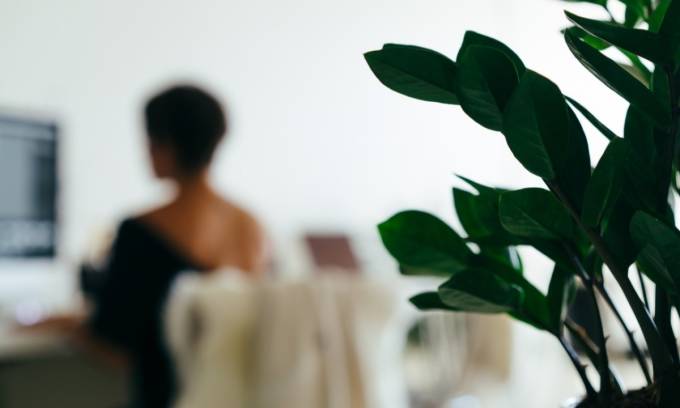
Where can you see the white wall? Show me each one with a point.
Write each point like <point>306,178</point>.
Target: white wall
<point>317,141</point>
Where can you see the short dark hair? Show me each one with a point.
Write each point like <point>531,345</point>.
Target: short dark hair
<point>190,120</point>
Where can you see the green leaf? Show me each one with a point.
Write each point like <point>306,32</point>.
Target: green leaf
<point>670,25</point>
<point>561,292</point>
<point>640,166</point>
<point>534,309</point>
<point>424,244</point>
<point>431,301</point>
<point>416,72</point>
<point>592,119</point>
<point>658,14</point>
<point>639,132</point>
<point>663,259</point>
<point>632,17</point>
<point>501,241</point>
<point>660,86</point>
<point>651,46</point>
<point>606,184</point>
<point>486,80</point>
<point>506,255</point>
<point>535,213</point>
<point>651,263</point>
<point>639,6</point>
<point>479,291</point>
<point>637,68</point>
<point>595,42</point>
<point>536,125</point>
<point>476,214</point>
<point>635,73</point>
<point>619,80</point>
<point>472,38</point>
<point>573,171</point>
<point>616,233</point>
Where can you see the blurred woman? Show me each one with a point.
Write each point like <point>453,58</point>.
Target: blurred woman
<point>197,231</point>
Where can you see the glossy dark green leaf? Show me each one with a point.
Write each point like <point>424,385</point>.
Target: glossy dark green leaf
<point>606,184</point>
<point>486,80</point>
<point>606,132</point>
<point>664,259</point>
<point>536,125</point>
<point>639,132</point>
<point>640,187</point>
<point>619,80</point>
<point>534,309</point>
<point>416,72</point>
<point>656,18</point>
<point>424,244</point>
<point>431,301</point>
<point>651,46</point>
<point>652,264</point>
<point>560,294</point>
<point>660,86</point>
<point>637,68</point>
<point>478,213</point>
<point>632,17</point>
<point>597,43</point>
<point>472,38</point>
<point>635,73</point>
<point>573,168</point>
<point>616,234</point>
<point>638,6</point>
<point>535,213</point>
<point>670,25</point>
<point>479,291</point>
<point>506,255</point>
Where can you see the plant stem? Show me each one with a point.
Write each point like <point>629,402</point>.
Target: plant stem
<point>631,339</point>
<point>592,351</point>
<point>603,363</point>
<point>643,288</point>
<point>661,359</point>
<point>662,317</point>
<point>590,391</point>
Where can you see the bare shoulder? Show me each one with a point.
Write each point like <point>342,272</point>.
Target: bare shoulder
<point>242,218</point>
<point>253,241</point>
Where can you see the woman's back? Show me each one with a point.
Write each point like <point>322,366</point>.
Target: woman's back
<point>198,231</point>
<point>210,231</point>
<point>149,253</point>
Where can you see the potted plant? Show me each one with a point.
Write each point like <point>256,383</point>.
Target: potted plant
<point>618,215</point>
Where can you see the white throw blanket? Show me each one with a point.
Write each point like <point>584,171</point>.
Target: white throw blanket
<point>328,342</point>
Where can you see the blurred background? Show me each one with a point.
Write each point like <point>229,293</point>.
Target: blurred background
<point>317,146</point>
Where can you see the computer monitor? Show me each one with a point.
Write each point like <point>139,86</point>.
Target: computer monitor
<point>28,188</point>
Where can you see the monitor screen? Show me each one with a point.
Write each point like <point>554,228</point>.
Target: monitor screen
<point>28,187</point>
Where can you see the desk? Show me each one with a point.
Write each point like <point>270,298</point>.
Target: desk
<point>15,346</point>
<point>39,371</point>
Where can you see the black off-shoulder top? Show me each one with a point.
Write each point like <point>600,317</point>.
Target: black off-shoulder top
<point>129,306</point>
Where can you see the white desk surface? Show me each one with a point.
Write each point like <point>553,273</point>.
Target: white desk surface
<point>47,286</point>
